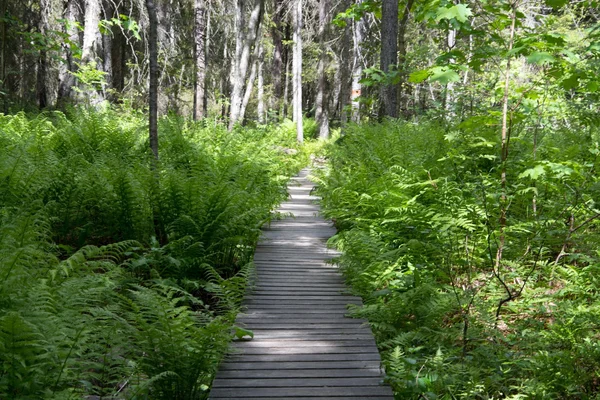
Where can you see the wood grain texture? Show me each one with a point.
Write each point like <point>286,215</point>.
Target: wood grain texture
<point>305,346</point>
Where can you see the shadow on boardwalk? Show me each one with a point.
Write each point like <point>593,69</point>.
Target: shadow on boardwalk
<point>304,347</point>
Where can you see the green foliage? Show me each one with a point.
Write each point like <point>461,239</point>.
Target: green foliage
<point>418,212</point>
<point>116,281</point>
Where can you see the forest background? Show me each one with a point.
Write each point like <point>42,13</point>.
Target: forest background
<point>463,182</point>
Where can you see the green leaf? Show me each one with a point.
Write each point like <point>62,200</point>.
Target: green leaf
<point>556,3</point>
<point>540,58</point>
<point>571,82</point>
<point>444,75</point>
<point>419,76</point>
<point>460,12</point>
<point>533,173</point>
<point>241,333</point>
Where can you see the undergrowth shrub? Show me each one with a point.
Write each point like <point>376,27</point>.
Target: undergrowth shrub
<point>418,212</point>
<point>118,281</point>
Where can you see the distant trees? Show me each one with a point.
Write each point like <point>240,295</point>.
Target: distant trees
<point>239,60</point>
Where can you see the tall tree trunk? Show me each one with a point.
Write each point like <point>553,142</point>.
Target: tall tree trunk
<point>90,30</point>
<point>236,80</point>
<point>345,73</point>
<point>250,84</point>
<point>449,100</point>
<point>321,101</point>
<point>278,62</point>
<point>206,55</point>
<point>3,8</point>
<point>286,90</point>
<point>119,61</point>
<point>241,71</point>
<point>297,70</point>
<point>389,51</point>
<point>72,14</point>
<point>200,52</point>
<point>505,138</point>
<point>402,102</point>
<point>47,82</point>
<point>89,49</point>
<point>153,90</point>
<point>260,110</point>
<point>357,66</point>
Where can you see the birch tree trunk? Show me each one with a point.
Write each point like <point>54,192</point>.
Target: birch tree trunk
<point>90,30</point>
<point>357,66</point>
<point>321,101</point>
<point>297,70</point>
<point>153,90</point>
<point>389,51</point>
<point>344,73</point>
<point>260,86</point>
<point>243,61</point>
<point>200,61</point>
<point>250,84</point>
<point>449,100</point>
<point>234,77</point>
<point>91,33</point>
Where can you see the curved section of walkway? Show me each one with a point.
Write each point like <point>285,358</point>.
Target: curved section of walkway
<point>304,346</point>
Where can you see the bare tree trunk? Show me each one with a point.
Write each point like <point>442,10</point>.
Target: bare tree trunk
<point>3,54</point>
<point>234,78</point>
<point>357,66</point>
<point>153,91</point>
<point>119,61</point>
<point>297,73</point>
<point>402,55</point>
<point>278,63</point>
<point>321,101</point>
<point>344,74</point>
<point>244,61</point>
<point>250,84</point>
<point>449,101</point>
<point>47,77</point>
<point>389,51</point>
<point>206,55</point>
<point>286,91</point>
<point>66,79</point>
<point>90,30</point>
<point>200,51</point>
<point>261,86</point>
<point>505,137</point>
<point>89,49</point>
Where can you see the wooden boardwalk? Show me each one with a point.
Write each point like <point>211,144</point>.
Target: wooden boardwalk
<point>304,346</point>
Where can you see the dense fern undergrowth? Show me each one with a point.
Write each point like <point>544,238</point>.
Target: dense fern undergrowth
<point>418,209</point>
<point>118,280</point>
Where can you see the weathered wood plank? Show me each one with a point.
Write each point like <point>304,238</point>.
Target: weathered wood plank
<point>272,343</point>
<point>273,372</point>
<point>321,366</point>
<point>362,392</point>
<point>297,383</point>
<point>304,346</point>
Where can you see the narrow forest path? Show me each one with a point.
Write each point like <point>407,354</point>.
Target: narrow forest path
<point>304,346</point>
